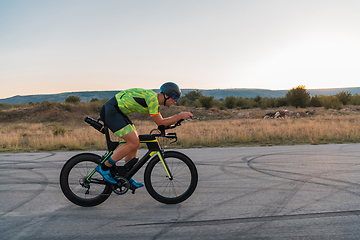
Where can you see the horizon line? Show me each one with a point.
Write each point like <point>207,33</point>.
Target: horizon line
<point>208,89</point>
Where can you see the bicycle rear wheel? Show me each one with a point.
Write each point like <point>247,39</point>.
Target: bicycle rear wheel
<point>74,185</point>
<point>171,191</point>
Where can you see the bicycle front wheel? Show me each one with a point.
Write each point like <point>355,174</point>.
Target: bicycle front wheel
<point>75,186</point>
<point>177,189</point>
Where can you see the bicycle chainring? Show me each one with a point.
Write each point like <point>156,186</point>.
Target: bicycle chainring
<point>122,186</point>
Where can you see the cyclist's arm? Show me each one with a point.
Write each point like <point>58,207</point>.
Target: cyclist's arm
<point>159,120</point>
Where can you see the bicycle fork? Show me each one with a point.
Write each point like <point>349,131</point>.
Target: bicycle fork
<point>166,167</point>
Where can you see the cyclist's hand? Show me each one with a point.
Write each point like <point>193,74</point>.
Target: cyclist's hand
<point>185,115</point>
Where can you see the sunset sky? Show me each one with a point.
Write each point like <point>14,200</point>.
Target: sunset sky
<point>62,46</point>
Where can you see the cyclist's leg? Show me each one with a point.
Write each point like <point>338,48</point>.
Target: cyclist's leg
<point>122,127</point>
<point>131,155</point>
<point>129,149</point>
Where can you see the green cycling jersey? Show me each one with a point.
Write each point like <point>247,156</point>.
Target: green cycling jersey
<point>138,100</point>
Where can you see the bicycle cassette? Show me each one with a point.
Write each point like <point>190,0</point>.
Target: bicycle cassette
<point>122,185</point>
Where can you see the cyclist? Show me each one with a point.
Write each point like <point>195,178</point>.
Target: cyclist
<point>114,114</point>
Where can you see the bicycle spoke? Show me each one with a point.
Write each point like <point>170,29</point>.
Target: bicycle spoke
<point>175,187</point>
<point>78,174</point>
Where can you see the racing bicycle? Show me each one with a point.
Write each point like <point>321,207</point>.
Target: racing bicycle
<point>170,177</point>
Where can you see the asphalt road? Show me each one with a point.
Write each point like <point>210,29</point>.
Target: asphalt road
<point>285,192</point>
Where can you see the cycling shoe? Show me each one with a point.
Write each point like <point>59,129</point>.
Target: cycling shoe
<point>135,184</point>
<point>106,175</point>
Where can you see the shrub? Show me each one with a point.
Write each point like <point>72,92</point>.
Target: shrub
<point>193,95</point>
<point>244,103</point>
<point>257,99</point>
<point>355,100</point>
<point>264,103</point>
<point>281,102</point>
<point>206,101</point>
<point>330,102</point>
<point>344,97</point>
<point>315,101</point>
<point>5,106</point>
<point>298,97</point>
<point>57,130</point>
<point>189,98</point>
<point>72,99</point>
<point>230,102</point>
<point>65,107</point>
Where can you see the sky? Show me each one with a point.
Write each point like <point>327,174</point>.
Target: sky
<point>87,45</point>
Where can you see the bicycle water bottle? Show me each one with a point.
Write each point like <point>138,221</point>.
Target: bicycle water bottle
<point>95,124</point>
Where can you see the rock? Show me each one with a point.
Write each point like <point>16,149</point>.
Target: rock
<point>244,115</point>
<point>279,114</point>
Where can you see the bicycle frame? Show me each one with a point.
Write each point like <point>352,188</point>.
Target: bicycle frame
<point>153,148</point>
<point>77,179</point>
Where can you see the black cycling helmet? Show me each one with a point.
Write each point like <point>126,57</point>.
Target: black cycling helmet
<point>171,90</point>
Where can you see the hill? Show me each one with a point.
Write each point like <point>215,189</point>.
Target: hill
<point>86,96</point>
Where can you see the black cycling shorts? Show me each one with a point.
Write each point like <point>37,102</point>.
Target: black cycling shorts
<point>117,122</point>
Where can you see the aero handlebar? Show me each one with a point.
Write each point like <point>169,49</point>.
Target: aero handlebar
<point>100,127</point>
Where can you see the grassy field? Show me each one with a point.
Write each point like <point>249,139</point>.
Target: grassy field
<point>58,127</point>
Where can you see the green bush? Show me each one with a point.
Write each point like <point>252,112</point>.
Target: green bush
<point>244,103</point>
<point>330,102</point>
<point>315,101</point>
<point>344,97</point>
<point>281,102</point>
<point>72,99</point>
<point>264,103</point>
<point>298,97</point>
<point>5,106</point>
<point>189,98</point>
<point>230,102</point>
<point>206,101</point>
<point>355,100</point>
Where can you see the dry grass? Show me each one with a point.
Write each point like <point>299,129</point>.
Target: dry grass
<point>245,132</point>
<point>20,137</point>
<point>320,129</point>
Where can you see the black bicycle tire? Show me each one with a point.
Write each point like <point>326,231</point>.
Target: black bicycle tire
<point>64,181</point>
<point>186,194</point>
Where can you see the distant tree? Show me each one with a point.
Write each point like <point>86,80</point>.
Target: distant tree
<point>330,102</point>
<point>344,97</point>
<point>264,103</point>
<point>230,102</point>
<point>72,99</point>
<point>190,98</point>
<point>206,101</point>
<point>257,99</point>
<point>281,102</point>
<point>298,97</point>
<point>244,103</point>
<point>94,100</point>
<point>355,100</point>
<point>315,101</point>
<point>193,95</point>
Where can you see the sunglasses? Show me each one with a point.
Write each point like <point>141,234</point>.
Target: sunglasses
<point>175,97</point>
